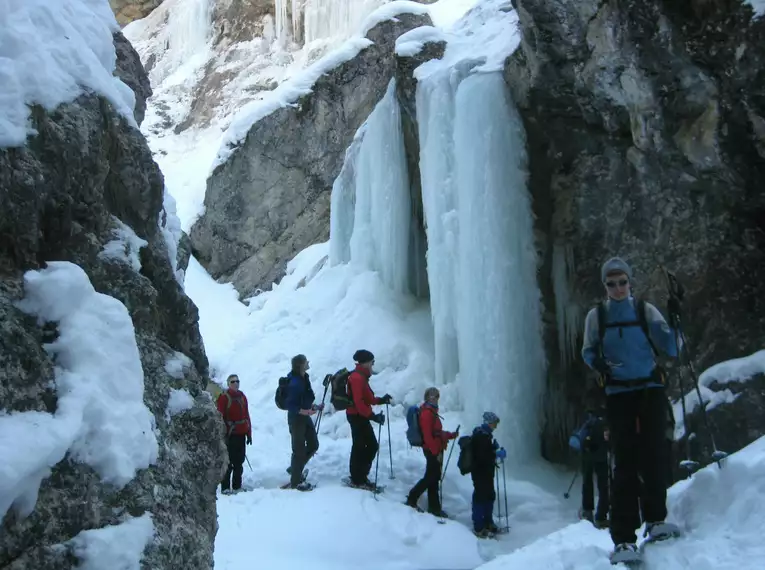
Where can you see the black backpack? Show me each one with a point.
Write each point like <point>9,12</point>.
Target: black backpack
<point>280,397</point>
<point>341,394</point>
<point>465,460</point>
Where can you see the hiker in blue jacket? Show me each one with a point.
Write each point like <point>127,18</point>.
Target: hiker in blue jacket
<point>622,337</point>
<point>300,408</point>
<point>591,439</point>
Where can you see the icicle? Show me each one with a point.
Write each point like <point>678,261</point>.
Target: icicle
<point>435,112</point>
<point>380,238</point>
<point>325,19</point>
<point>187,33</point>
<point>343,204</point>
<point>567,312</point>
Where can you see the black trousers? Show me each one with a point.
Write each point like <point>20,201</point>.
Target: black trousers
<point>638,427</point>
<point>304,445</point>
<point>364,448</point>
<point>595,469</point>
<point>430,482</point>
<point>236,452</point>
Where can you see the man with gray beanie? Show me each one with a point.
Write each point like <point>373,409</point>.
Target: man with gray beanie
<point>300,408</point>
<point>622,338</point>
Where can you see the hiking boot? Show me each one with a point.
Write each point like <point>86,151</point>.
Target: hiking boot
<point>601,523</point>
<point>304,486</point>
<point>440,513</point>
<point>413,505</point>
<point>625,553</point>
<point>226,492</point>
<point>585,515</point>
<point>485,533</point>
<point>492,527</point>
<point>659,531</point>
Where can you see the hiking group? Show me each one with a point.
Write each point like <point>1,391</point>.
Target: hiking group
<point>625,443</point>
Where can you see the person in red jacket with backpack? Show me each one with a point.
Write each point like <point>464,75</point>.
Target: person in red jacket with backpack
<point>435,441</point>
<point>360,415</point>
<point>232,405</point>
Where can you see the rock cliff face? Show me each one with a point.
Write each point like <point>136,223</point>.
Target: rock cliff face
<point>645,134</point>
<point>128,10</point>
<point>59,197</point>
<point>271,198</point>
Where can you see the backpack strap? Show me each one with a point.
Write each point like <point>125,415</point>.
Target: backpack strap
<point>642,322</point>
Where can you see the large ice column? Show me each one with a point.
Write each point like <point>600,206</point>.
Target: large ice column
<point>435,112</point>
<point>500,344</point>
<point>187,32</point>
<point>371,209</point>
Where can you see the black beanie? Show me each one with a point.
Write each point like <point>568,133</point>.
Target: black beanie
<point>363,356</point>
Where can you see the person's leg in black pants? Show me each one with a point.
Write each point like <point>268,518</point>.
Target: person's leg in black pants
<point>236,452</point>
<point>588,491</point>
<point>430,482</point>
<point>304,445</point>
<point>364,448</point>
<point>653,454</point>
<point>601,473</point>
<point>622,417</point>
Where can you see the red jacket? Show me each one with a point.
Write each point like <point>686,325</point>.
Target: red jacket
<point>363,397</point>
<point>236,413</point>
<point>434,438</point>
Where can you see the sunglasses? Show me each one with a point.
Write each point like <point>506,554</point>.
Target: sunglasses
<point>234,382</point>
<point>614,284</point>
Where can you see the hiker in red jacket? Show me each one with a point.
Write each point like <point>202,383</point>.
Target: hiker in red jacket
<point>434,442</point>
<point>359,415</point>
<point>232,405</point>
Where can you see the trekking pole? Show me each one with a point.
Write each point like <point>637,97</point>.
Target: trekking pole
<point>377,463</point>
<point>390,449</point>
<point>248,462</point>
<point>566,495</point>
<point>504,484</point>
<point>499,503</point>
<point>677,291</point>
<point>326,381</point>
<point>443,474</point>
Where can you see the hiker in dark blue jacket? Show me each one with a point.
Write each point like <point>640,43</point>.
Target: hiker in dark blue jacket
<point>621,345</point>
<point>486,452</point>
<point>300,408</point>
<point>593,439</point>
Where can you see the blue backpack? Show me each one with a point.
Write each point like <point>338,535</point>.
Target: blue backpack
<point>413,429</point>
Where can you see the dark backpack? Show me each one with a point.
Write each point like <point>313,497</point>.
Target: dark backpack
<point>465,460</point>
<point>341,394</point>
<point>578,438</point>
<point>280,397</point>
<point>413,428</point>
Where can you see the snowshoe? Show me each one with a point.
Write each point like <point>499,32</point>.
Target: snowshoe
<point>226,492</point>
<point>302,486</point>
<point>626,553</point>
<point>414,506</point>
<point>441,515</point>
<point>484,534</point>
<point>659,532</point>
<point>367,486</point>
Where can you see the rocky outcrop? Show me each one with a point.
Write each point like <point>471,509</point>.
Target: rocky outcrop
<point>271,198</point>
<point>131,72</point>
<point>128,10</point>
<point>59,197</point>
<point>644,124</point>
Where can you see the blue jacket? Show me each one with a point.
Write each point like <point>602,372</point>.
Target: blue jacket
<point>300,395</point>
<point>626,349</point>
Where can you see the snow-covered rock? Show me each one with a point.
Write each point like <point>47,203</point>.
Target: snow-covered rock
<point>90,313</point>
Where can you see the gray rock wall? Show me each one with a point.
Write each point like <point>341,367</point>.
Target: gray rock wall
<point>58,197</point>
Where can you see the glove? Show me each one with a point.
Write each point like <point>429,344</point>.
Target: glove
<point>249,439</point>
<point>600,365</point>
<point>320,407</point>
<point>386,399</point>
<point>378,418</point>
<point>501,453</point>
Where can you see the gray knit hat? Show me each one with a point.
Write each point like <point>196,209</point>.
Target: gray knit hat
<point>490,418</point>
<point>614,265</point>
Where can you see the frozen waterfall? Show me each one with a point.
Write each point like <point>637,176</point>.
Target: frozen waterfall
<point>185,35</point>
<point>322,19</point>
<point>481,259</point>
<point>370,206</point>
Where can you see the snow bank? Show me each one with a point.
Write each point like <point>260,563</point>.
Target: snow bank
<point>51,52</point>
<point>389,11</point>
<point>482,40</point>
<point>412,42</point>
<point>125,247</point>
<point>118,547</point>
<point>286,94</point>
<point>100,418</point>
<point>719,512</point>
